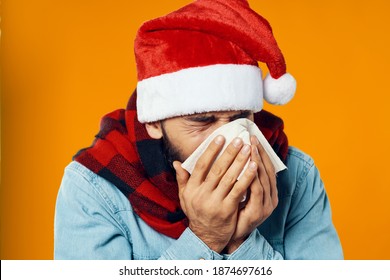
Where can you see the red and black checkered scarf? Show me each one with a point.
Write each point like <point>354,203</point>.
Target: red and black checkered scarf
<point>124,154</point>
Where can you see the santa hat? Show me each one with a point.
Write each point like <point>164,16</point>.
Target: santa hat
<point>203,58</point>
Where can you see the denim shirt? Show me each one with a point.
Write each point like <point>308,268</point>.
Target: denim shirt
<point>94,220</point>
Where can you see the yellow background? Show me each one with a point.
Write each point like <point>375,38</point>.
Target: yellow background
<point>67,63</point>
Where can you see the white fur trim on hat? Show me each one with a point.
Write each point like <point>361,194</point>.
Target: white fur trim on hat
<point>220,87</point>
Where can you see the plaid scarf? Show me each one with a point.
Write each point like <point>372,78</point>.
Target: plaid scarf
<point>124,154</point>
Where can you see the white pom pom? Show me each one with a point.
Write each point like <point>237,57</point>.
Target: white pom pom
<point>279,91</point>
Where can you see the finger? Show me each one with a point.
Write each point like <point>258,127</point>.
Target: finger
<point>241,186</point>
<point>255,156</point>
<point>270,170</point>
<point>260,197</point>
<point>182,175</point>
<point>266,169</point>
<point>222,164</point>
<point>230,178</point>
<point>269,167</point>
<point>255,201</point>
<point>264,181</point>
<point>205,161</point>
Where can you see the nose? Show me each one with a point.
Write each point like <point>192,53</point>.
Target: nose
<point>221,122</point>
<point>216,125</point>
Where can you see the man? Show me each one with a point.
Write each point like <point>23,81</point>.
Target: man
<point>128,197</point>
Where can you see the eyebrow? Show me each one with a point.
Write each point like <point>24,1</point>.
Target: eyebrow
<point>212,118</point>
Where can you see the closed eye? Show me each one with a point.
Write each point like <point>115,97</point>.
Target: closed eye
<point>202,119</point>
<point>243,114</point>
<point>209,119</point>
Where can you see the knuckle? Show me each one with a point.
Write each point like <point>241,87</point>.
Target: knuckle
<point>200,165</point>
<point>228,180</point>
<point>264,182</point>
<point>231,150</point>
<point>270,170</point>
<point>249,174</point>
<point>255,155</point>
<point>257,189</point>
<point>255,152</point>
<point>261,190</point>
<point>235,193</point>
<point>260,148</point>
<point>217,170</point>
<point>241,158</point>
<point>247,178</point>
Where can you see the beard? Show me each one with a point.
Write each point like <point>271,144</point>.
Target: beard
<point>171,152</point>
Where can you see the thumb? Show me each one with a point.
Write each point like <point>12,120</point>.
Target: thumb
<point>182,175</point>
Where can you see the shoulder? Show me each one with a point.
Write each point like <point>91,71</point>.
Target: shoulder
<point>89,215</point>
<point>296,157</point>
<point>300,167</point>
<point>86,187</point>
<point>298,163</point>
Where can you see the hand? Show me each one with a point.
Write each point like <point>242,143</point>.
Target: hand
<point>211,195</point>
<point>263,197</point>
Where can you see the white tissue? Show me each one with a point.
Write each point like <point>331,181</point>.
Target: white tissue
<point>242,128</point>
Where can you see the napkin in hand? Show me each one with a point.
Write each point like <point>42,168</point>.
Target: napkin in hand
<point>242,128</point>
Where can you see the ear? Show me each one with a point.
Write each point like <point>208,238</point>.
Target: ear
<point>154,130</point>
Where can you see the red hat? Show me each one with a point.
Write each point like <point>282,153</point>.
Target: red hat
<point>203,58</point>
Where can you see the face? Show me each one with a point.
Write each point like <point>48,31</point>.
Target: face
<point>182,135</point>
